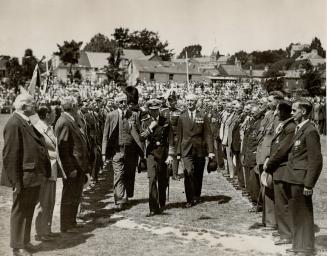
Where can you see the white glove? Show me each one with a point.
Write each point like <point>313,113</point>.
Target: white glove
<point>169,160</point>
<point>211,155</point>
<point>153,124</point>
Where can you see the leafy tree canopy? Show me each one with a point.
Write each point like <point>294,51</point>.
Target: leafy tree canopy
<point>100,43</point>
<point>193,51</point>
<point>145,40</point>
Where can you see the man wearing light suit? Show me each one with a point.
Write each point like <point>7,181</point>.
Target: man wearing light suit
<point>121,142</point>
<point>194,143</point>
<point>25,165</point>
<point>47,197</point>
<point>304,167</point>
<point>73,154</point>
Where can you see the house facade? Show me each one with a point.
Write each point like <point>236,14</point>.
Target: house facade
<point>161,71</point>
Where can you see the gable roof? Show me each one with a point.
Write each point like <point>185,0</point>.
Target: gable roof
<point>95,59</point>
<point>231,70</point>
<point>152,66</point>
<point>132,54</point>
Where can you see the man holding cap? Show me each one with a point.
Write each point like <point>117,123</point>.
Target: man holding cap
<point>194,142</point>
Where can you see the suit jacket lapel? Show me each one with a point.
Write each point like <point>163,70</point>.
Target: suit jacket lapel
<point>113,122</point>
<point>299,133</point>
<point>29,128</point>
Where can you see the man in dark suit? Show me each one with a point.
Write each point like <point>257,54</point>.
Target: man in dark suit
<point>155,130</point>
<point>276,165</point>
<point>303,170</point>
<point>121,142</point>
<point>25,165</point>
<point>194,142</point>
<point>73,153</point>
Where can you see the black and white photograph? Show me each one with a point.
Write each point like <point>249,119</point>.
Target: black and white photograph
<point>155,128</point>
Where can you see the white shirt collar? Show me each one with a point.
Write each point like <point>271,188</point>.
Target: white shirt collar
<point>26,118</point>
<point>300,125</point>
<point>68,114</point>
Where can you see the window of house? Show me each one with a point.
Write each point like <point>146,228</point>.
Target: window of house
<point>151,76</point>
<point>171,76</point>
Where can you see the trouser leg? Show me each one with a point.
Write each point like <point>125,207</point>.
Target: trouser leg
<point>21,216</point>
<point>189,178</point>
<point>199,164</point>
<point>47,198</point>
<point>281,210</point>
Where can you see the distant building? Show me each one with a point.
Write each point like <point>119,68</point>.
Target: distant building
<point>298,48</point>
<point>293,81</point>
<point>161,71</point>
<point>91,64</point>
<point>313,57</point>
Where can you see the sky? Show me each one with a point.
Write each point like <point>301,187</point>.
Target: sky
<point>224,25</point>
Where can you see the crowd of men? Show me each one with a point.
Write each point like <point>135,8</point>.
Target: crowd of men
<point>268,146</point>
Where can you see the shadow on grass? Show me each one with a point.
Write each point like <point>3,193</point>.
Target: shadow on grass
<point>321,241</point>
<point>220,199</point>
<point>97,208</point>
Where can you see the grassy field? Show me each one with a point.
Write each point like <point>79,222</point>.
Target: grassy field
<point>221,225</point>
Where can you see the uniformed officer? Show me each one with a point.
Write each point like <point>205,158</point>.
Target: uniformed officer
<point>172,113</point>
<point>155,129</point>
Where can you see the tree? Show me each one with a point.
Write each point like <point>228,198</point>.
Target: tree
<point>113,71</point>
<point>193,51</point>
<point>312,81</point>
<point>145,40</point>
<point>316,44</point>
<point>14,71</point>
<point>99,43</point>
<point>28,64</point>
<point>122,37</point>
<point>69,53</point>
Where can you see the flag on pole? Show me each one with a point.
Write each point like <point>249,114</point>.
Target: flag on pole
<point>35,81</point>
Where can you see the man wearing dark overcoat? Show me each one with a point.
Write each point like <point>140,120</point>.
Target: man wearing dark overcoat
<point>194,143</point>
<point>73,154</point>
<point>304,167</point>
<point>25,165</point>
<point>276,165</point>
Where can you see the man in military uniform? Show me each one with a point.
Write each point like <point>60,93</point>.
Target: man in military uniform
<point>155,130</point>
<point>172,113</point>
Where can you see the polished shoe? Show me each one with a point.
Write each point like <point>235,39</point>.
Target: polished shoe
<point>21,252</point>
<point>283,241</point>
<point>43,238</point>
<point>189,204</point>
<point>197,200</point>
<point>150,214</point>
